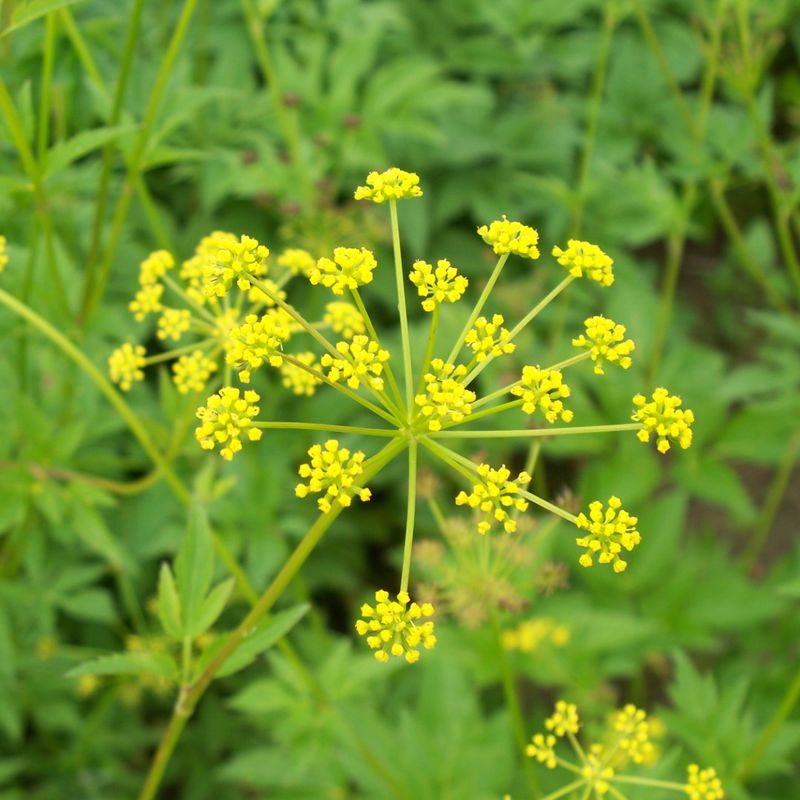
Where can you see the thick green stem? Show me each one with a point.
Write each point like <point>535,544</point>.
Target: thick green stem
<point>190,695</point>
<point>411,512</point>
<point>402,311</point>
<point>487,290</point>
<point>512,703</point>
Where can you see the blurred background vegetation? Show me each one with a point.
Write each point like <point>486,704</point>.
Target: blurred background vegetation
<point>665,130</point>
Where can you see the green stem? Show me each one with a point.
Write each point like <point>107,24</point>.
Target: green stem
<point>528,432</point>
<point>526,320</point>
<point>411,511</point>
<point>548,506</point>
<point>401,307</point>
<point>487,290</point>
<point>45,90</point>
<point>82,51</point>
<point>512,703</point>
<point>570,787</point>
<point>486,412</point>
<point>609,24</point>
<point>429,345</point>
<point>568,362</point>
<point>653,782</point>
<point>315,426</point>
<point>178,351</point>
<point>775,493</point>
<point>189,697</point>
<point>97,277</point>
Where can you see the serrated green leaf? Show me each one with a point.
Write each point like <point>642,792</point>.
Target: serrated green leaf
<point>267,633</point>
<point>63,154</point>
<point>212,607</point>
<point>169,604</point>
<point>128,664</point>
<point>193,567</point>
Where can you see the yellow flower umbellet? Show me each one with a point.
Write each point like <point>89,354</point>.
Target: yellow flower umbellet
<point>3,254</point>
<point>663,417</point>
<point>239,300</point>
<point>603,767</point>
<point>395,628</point>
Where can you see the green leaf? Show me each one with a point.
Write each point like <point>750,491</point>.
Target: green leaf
<point>169,604</point>
<point>212,607</point>
<point>193,567</point>
<point>267,633</point>
<point>90,604</point>
<point>128,664</point>
<point>63,154</point>
<point>26,12</point>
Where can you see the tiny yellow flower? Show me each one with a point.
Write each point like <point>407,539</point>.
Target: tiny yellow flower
<point>297,261</point>
<point>511,237</point>
<point>3,254</point>
<point>191,372</point>
<point>633,732</point>
<point>125,365</point>
<point>495,495</point>
<point>344,319</point>
<point>543,389</point>
<point>350,268</point>
<point>300,381</point>
<point>596,771</point>
<point>393,627</point>
<point>228,261</point>
<point>564,719</point>
<point>146,301</point>
<point>333,470</point>
<point>445,399</point>
<point>392,184</point>
<point>605,340</point>
<point>257,340</point>
<point>437,285</point>
<point>173,323</point>
<point>193,270</point>
<point>227,417</point>
<point>87,685</point>
<point>530,634</point>
<point>584,258</point>
<point>361,363</point>
<point>489,338</point>
<point>663,417</point>
<point>542,749</point>
<point>154,267</point>
<point>609,530</point>
<point>703,784</point>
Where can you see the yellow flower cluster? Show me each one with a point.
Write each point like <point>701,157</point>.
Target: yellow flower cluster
<point>361,362</point>
<point>297,261</point>
<point>394,628</point>
<point>543,389</point>
<point>125,365</point>
<point>564,719</point>
<point>542,749</point>
<point>664,417</point>
<point>257,340</point>
<point>609,530</point>
<point>605,340</point>
<point>225,418</point>
<point>627,741</point>
<point>511,237</point>
<point>530,634</point>
<point>173,323</point>
<point>334,471</point>
<point>632,728</point>
<point>300,380</point>
<point>445,399</point>
<point>494,496</point>
<point>585,258</point>
<point>392,184</point>
<point>349,268</point>
<point>146,301</point>
<point>155,267</point>
<point>191,372</point>
<point>3,254</point>
<point>596,771</point>
<point>703,784</point>
<point>230,261</point>
<point>193,270</point>
<point>437,285</point>
<point>489,338</point>
<point>344,319</point>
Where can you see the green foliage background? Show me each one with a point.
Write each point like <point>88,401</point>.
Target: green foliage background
<point>589,116</point>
